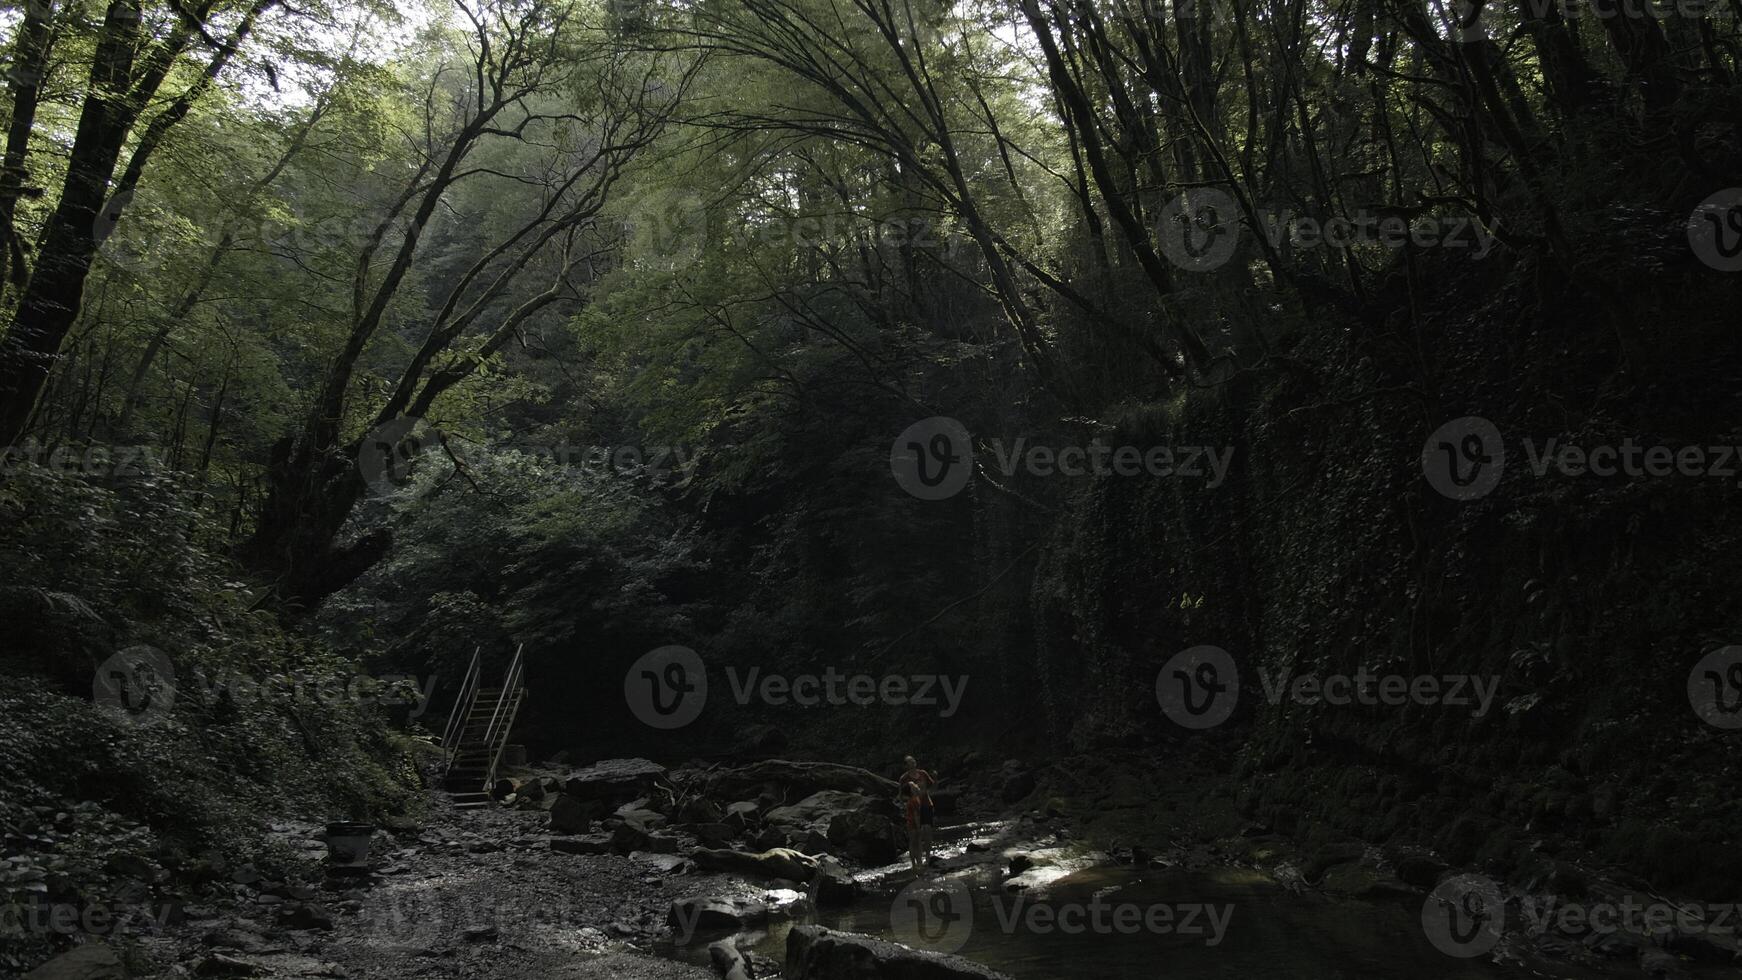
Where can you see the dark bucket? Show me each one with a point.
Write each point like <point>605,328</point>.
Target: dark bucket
<point>348,847</point>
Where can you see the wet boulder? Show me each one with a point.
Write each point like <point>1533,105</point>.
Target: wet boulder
<point>790,779</point>
<point>615,781</point>
<point>851,824</point>
<point>816,953</point>
<point>689,916</point>
<point>864,837</point>
<point>834,887</point>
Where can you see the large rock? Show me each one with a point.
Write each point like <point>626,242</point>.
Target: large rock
<point>1035,871</point>
<point>569,815</point>
<point>834,887</point>
<point>814,842</point>
<point>847,824</point>
<point>794,778</point>
<point>92,961</point>
<point>614,781</point>
<point>816,953</point>
<point>815,811</point>
<point>689,916</point>
<point>626,837</point>
<point>864,837</point>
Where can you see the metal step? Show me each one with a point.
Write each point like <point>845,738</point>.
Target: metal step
<point>472,754</point>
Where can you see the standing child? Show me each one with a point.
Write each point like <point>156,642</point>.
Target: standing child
<point>911,792</point>
<point>922,781</point>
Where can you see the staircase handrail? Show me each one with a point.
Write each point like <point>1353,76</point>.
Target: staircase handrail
<point>462,708</point>
<point>503,716</point>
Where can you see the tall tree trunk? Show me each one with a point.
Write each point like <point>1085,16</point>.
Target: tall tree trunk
<point>30,54</point>
<point>117,93</point>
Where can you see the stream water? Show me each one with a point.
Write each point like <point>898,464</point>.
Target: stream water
<point>1265,930</point>
<point>1269,931</point>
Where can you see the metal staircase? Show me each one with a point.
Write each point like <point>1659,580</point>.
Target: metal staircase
<point>478,729</point>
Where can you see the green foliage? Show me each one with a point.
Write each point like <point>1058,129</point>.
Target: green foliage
<point>557,551</point>
<point>95,803</point>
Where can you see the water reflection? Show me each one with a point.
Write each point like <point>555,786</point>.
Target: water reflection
<point>1268,931</point>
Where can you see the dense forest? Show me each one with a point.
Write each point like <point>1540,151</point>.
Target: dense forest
<point>1100,381</point>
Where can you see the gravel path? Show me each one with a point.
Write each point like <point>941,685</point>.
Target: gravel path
<point>476,893</point>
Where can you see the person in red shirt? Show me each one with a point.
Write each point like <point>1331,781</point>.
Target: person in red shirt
<point>922,781</point>
<point>912,793</point>
<point>920,777</point>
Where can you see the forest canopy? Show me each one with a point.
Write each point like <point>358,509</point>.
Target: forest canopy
<point>347,330</point>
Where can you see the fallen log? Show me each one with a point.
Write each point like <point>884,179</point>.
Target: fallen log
<point>829,884</point>
<point>781,862</point>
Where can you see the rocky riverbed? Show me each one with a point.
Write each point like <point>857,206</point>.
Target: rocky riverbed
<point>468,894</point>
<point>622,869</point>
<point>573,876</point>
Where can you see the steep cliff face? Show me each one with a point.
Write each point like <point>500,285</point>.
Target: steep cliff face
<point>1566,610</point>
<point>1543,625</point>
